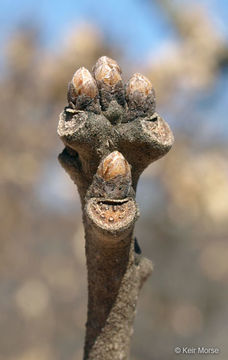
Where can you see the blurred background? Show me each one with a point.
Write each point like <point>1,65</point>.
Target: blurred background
<point>182,46</point>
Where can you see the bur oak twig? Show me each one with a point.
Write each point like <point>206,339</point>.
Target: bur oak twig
<point>111,133</point>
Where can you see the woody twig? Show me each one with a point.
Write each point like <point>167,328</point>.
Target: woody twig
<point>111,133</point>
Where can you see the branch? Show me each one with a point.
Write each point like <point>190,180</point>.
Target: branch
<point>111,134</point>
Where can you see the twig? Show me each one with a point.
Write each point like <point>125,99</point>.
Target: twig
<point>111,133</point>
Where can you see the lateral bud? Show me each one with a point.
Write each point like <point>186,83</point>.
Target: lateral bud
<point>82,88</point>
<point>140,95</point>
<point>113,178</point>
<point>114,165</point>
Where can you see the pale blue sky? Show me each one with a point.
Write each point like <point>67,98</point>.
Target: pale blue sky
<point>137,26</point>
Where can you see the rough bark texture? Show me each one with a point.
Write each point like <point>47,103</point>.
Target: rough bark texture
<point>111,134</point>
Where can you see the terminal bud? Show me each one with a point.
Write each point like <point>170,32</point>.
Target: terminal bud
<point>107,71</point>
<point>109,62</point>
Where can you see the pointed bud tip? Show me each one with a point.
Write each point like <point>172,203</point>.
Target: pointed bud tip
<point>107,70</point>
<point>84,83</point>
<point>105,60</point>
<point>114,165</point>
<point>139,82</point>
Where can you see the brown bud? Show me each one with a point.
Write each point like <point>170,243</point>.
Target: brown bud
<point>139,82</point>
<point>140,97</point>
<point>107,70</point>
<point>84,84</point>
<point>109,62</point>
<point>114,165</point>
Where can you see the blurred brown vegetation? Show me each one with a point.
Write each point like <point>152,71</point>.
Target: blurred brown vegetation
<point>183,199</point>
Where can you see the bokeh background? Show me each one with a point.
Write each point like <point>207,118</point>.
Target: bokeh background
<point>182,46</point>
